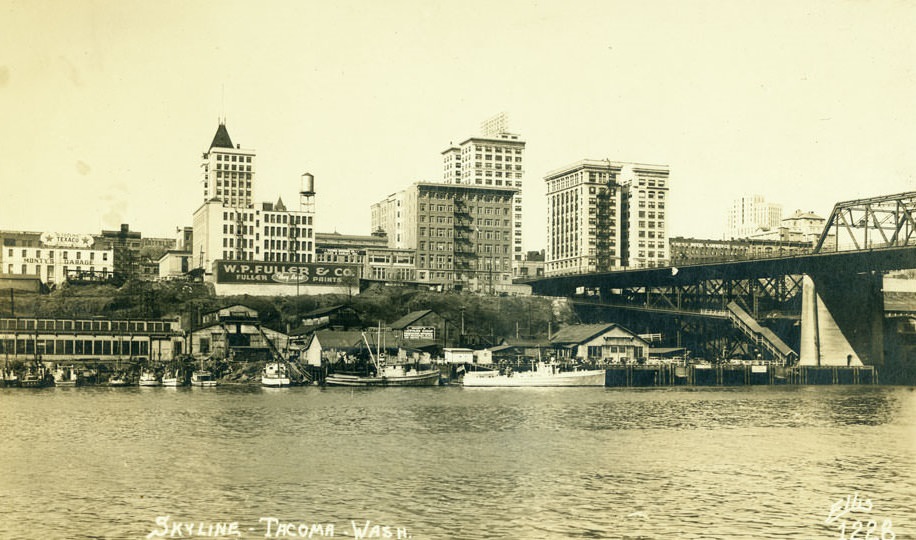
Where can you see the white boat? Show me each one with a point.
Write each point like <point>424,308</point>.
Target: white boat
<point>9,378</point>
<point>118,379</point>
<point>66,376</point>
<point>275,374</point>
<point>148,377</point>
<point>172,378</point>
<point>203,377</point>
<point>542,375</point>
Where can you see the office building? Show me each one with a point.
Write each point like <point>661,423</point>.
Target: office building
<point>495,158</point>
<point>751,214</point>
<point>229,226</point>
<point>461,234</point>
<point>604,215</point>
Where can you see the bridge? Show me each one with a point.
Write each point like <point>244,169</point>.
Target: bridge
<point>820,308</point>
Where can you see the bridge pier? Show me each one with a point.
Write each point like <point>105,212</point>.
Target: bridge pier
<point>842,322</point>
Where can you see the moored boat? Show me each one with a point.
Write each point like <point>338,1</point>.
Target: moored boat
<point>35,377</point>
<point>541,375</point>
<point>66,376</point>
<point>388,376</point>
<point>202,377</point>
<point>9,379</point>
<point>118,379</point>
<point>148,377</point>
<point>172,378</point>
<point>275,374</point>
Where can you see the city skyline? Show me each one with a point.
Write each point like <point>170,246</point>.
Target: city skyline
<point>110,105</point>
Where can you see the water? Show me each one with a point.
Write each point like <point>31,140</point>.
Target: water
<point>453,463</point>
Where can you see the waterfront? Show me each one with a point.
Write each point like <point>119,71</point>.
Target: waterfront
<point>451,462</point>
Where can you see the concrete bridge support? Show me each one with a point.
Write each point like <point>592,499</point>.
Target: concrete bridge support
<point>842,320</point>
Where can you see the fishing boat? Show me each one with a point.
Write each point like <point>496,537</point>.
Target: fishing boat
<point>275,374</point>
<point>148,377</point>
<point>172,378</point>
<point>542,374</point>
<point>118,379</point>
<point>8,378</point>
<point>203,377</point>
<point>66,376</point>
<point>35,377</point>
<point>397,375</point>
<point>386,375</point>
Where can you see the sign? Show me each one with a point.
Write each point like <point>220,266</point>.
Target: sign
<point>259,272</point>
<point>420,332</point>
<point>54,239</point>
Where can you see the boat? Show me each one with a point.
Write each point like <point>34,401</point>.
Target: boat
<point>8,378</point>
<point>35,377</point>
<point>202,377</point>
<point>386,375</point>
<point>396,375</point>
<point>148,377</point>
<point>542,374</point>
<point>118,379</point>
<point>66,376</point>
<point>275,374</point>
<point>172,378</point>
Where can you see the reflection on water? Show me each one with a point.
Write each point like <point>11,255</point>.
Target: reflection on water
<point>456,463</point>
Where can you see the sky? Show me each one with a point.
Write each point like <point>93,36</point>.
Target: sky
<point>107,106</point>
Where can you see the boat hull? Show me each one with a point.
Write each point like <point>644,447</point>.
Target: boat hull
<point>424,378</point>
<point>275,382</point>
<point>595,377</point>
<point>171,382</point>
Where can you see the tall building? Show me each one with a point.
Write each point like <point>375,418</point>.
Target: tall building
<point>495,158</point>
<point>462,234</point>
<point>229,226</point>
<point>751,214</point>
<point>606,215</point>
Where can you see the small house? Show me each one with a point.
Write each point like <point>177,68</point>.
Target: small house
<point>607,343</point>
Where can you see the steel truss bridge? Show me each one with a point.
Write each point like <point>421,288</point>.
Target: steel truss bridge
<point>753,307</point>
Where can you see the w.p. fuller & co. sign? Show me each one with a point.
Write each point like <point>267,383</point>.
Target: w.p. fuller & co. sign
<point>291,273</point>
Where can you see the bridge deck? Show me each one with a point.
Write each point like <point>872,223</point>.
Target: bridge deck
<point>874,260</point>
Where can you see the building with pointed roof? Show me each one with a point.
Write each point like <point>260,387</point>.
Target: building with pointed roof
<point>230,227</point>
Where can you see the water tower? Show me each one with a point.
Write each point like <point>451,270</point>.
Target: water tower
<point>307,193</point>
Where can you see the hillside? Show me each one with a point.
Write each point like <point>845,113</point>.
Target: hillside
<point>491,317</point>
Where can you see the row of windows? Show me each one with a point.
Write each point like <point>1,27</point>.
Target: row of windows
<point>283,219</point>
<point>74,346</point>
<point>268,256</point>
<point>232,157</point>
<point>219,167</point>
<point>64,255</point>
<point>70,325</point>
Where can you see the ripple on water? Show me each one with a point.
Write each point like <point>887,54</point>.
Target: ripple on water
<point>457,463</point>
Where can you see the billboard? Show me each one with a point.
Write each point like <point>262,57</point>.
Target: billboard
<point>254,272</point>
<point>420,332</point>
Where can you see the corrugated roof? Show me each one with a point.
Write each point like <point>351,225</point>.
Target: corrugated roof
<point>580,333</point>
<point>340,339</point>
<point>322,311</point>
<point>409,319</point>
